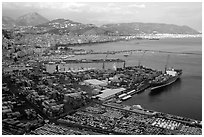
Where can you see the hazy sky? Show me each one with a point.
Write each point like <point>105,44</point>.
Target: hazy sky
<point>183,13</point>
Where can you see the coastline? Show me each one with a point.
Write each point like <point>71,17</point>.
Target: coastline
<point>135,37</point>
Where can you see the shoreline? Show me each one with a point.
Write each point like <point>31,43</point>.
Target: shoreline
<point>139,38</point>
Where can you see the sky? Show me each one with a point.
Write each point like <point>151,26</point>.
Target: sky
<point>98,13</point>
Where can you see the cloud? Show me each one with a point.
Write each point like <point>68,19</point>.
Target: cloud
<point>43,5</point>
<point>137,5</point>
<point>100,9</point>
<point>9,5</point>
<point>73,5</point>
<point>111,5</point>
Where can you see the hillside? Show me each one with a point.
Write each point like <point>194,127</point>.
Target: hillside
<point>141,28</point>
<point>62,26</point>
<point>31,19</point>
<point>8,22</point>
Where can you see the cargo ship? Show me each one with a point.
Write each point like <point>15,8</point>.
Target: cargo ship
<point>169,77</point>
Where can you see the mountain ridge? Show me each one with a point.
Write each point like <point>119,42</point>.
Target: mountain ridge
<point>140,27</point>
<point>31,19</point>
<point>8,22</point>
<point>66,25</point>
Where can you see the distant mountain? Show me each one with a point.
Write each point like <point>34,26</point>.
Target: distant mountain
<point>31,19</point>
<point>97,31</point>
<point>8,22</point>
<point>61,26</point>
<point>148,28</point>
<point>91,31</point>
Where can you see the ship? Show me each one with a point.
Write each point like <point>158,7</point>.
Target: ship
<point>153,38</point>
<point>126,54</point>
<point>166,79</point>
<point>170,76</point>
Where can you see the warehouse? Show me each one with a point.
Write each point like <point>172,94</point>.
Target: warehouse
<point>109,93</point>
<point>95,83</point>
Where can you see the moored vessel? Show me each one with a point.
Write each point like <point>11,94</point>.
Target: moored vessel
<point>165,79</point>
<point>168,77</point>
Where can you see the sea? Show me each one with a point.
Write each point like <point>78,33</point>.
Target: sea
<point>182,98</point>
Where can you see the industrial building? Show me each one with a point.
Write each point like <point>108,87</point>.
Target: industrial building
<point>50,67</point>
<point>83,65</point>
<point>95,83</point>
<point>109,93</point>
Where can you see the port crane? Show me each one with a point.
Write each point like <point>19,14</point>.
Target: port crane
<point>139,63</point>
<point>126,55</point>
<point>103,67</point>
<point>167,61</point>
<point>104,61</point>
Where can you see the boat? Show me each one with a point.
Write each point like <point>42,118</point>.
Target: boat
<point>143,87</point>
<point>153,38</point>
<point>126,55</point>
<point>166,79</point>
<point>170,76</point>
<point>137,107</point>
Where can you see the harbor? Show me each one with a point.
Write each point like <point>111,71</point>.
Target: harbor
<point>106,88</point>
<point>105,68</point>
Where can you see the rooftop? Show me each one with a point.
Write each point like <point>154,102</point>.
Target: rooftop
<point>109,92</point>
<point>94,82</point>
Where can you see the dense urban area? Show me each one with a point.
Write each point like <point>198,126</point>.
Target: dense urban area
<point>44,92</point>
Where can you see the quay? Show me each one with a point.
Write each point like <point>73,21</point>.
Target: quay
<point>85,61</point>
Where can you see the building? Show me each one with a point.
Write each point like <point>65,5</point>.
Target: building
<point>95,83</point>
<point>109,93</point>
<point>50,67</point>
<point>20,67</point>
